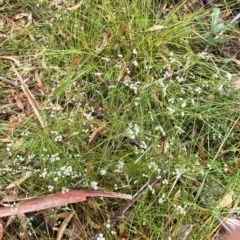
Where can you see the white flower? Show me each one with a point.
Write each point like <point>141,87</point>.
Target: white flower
<point>198,90</point>
<point>103,172</point>
<point>50,188</point>
<point>100,237</point>
<point>135,51</point>
<point>220,88</point>
<point>170,110</point>
<point>106,59</point>
<point>165,182</point>
<point>159,127</point>
<point>229,76</point>
<point>98,74</point>
<point>58,138</point>
<point>119,166</point>
<point>180,210</point>
<point>209,166</point>
<point>135,63</point>
<point>143,145</point>
<point>226,168</point>
<point>133,130</point>
<point>204,55</point>
<point>94,185</point>
<point>64,190</point>
<point>160,201</point>
<point>151,189</point>
<point>184,104</point>
<point>179,129</point>
<point>180,79</point>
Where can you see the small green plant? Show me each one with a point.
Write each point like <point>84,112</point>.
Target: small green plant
<point>217,28</point>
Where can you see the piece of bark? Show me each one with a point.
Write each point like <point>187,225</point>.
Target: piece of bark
<point>56,200</point>
<point>235,235</point>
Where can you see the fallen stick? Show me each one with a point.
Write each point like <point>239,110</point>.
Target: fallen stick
<point>56,200</point>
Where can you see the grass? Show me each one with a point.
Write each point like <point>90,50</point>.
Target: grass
<point>163,98</point>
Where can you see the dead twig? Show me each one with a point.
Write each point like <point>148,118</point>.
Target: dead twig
<point>9,82</point>
<point>117,216</point>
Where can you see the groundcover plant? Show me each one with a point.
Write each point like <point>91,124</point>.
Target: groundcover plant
<point>134,97</point>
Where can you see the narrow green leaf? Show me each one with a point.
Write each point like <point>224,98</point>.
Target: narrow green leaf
<point>215,16</point>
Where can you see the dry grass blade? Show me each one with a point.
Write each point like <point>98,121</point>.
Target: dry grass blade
<point>56,200</point>
<point>75,7</point>
<point>19,181</point>
<point>30,97</point>
<point>17,62</point>
<point>64,224</point>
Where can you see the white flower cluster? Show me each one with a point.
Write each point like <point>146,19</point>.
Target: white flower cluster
<point>132,130</point>
<point>132,85</point>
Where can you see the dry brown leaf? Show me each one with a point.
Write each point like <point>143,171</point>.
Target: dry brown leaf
<point>2,23</point>
<point>177,196</point>
<point>39,82</point>
<point>95,205</point>
<point>225,14</point>
<point>165,146</point>
<point>201,149</point>
<point>75,7</point>
<point>105,42</point>
<point>74,59</point>
<point>19,181</point>
<point>92,223</point>
<point>12,125</point>
<point>96,132</point>
<point>236,61</point>
<point>156,28</point>
<point>122,72</point>
<point>227,200</point>
<point>64,224</point>
<point>185,231</point>
<point>30,97</point>
<point>79,228</point>
<point>56,200</point>
<point>22,15</point>
<point>16,144</point>
<point>19,102</point>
